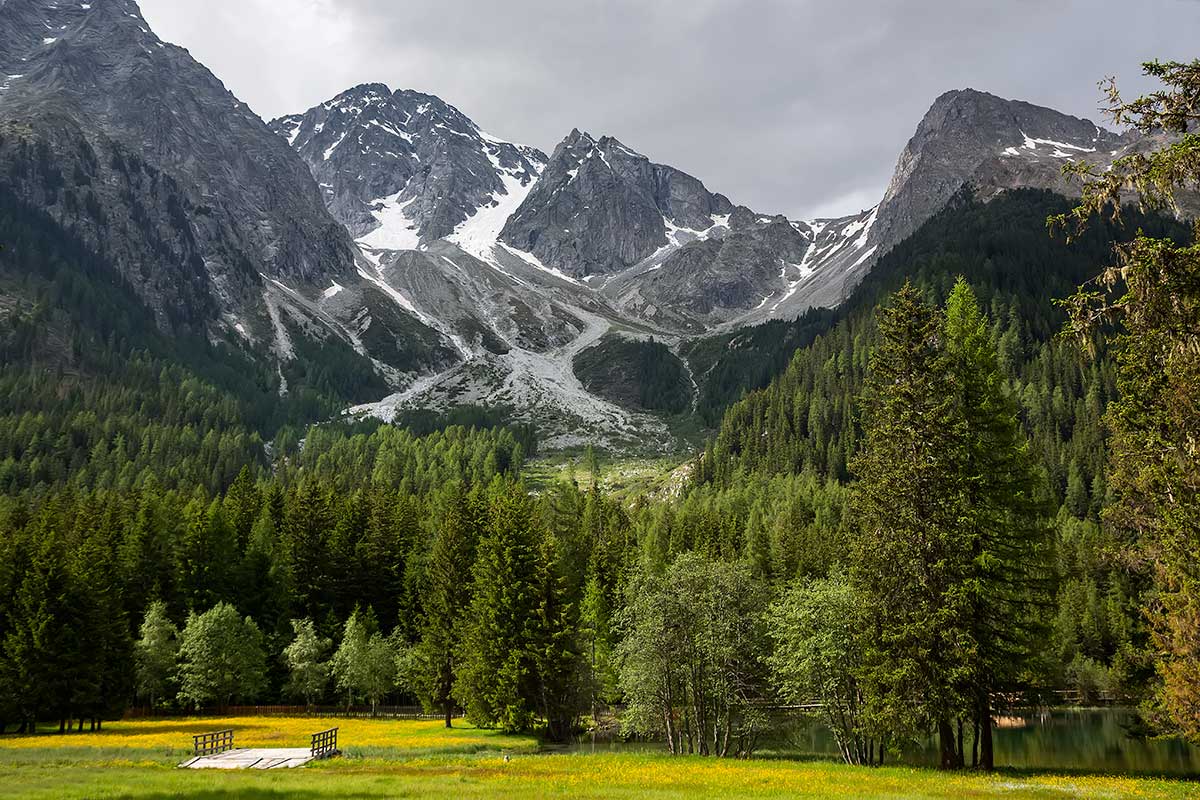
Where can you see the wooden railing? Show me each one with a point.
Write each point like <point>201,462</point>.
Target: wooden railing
<point>206,744</point>
<point>324,744</point>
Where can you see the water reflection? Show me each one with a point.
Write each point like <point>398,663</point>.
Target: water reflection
<point>1062,739</point>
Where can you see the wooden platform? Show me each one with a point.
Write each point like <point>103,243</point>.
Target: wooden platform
<point>271,758</point>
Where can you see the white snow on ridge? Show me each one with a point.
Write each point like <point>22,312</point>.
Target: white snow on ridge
<point>336,144</point>
<point>866,254</point>
<point>332,290</point>
<point>295,133</point>
<point>867,226</point>
<point>1032,144</point>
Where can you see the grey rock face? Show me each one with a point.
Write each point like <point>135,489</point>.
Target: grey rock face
<point>726,273</point>
<point>142,152</point>
<point>971,137</point>
<point>600,208</point>
<point>405,154</point>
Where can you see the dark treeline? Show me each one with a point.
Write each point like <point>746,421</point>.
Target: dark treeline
<point>346,523</point>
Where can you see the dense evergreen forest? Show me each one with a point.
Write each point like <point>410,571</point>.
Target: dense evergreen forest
<point>909,523</point>
<point>416,553</point>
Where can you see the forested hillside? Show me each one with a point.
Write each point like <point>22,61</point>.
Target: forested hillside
<point>94,393</point>
<point>413,541</point>
<point>1001,247</point>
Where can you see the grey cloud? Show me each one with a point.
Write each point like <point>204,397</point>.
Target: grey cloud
<point>785,105</point>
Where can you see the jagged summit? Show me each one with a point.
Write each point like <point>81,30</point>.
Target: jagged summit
<point>401,168</point>
<point>602,207</point>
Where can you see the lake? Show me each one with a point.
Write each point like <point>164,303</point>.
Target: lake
<point>1093,739</point>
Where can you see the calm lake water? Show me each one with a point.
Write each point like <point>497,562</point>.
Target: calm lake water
<point>1071,739</point>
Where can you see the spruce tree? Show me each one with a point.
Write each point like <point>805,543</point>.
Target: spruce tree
<point>912,562</point>
<point>1004,518</point>
<point>446,596</point>
<point>495,677</point>
<point>1152,294</point>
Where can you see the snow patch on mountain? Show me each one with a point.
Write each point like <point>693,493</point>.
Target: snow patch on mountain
<point>396,231</point>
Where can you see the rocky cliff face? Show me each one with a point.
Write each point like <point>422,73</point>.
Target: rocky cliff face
<point>142,151</point>
<point>137,149</point>
<point>971,137</point>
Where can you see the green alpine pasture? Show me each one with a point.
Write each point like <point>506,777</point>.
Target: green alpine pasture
<point>389,759</point>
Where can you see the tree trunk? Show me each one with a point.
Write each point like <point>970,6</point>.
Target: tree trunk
<point>669,723</point>
<point>975,745</point>
<point>961,763</point>
<point>946,740</point>
<point>449,709</point>
<point>986,754</point>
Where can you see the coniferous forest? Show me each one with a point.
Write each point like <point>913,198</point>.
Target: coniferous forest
<point>970,487</point>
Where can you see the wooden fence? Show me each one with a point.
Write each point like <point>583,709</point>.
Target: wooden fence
<point>207,744</point>
<point>325,744</point>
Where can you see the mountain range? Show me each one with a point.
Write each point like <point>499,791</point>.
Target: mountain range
<point>390,230</point>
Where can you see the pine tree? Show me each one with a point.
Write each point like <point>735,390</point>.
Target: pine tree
<point>1003,518</point>
<point>912,562</point>
<point>208,556</point>
<point>494,682</point>
<point>446,596</point>
<point>1152,295</point>
<point>558,660</point>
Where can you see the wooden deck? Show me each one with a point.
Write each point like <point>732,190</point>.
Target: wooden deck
<point>269,758</point>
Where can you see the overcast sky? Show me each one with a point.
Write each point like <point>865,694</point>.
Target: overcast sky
<point>787,106</point>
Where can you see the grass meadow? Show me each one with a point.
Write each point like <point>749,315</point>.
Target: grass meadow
<point>390,759</point>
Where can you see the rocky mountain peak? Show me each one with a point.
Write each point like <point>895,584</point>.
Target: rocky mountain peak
<point>403,168</point>
<point>602,207</point>
<point>972,137</point>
